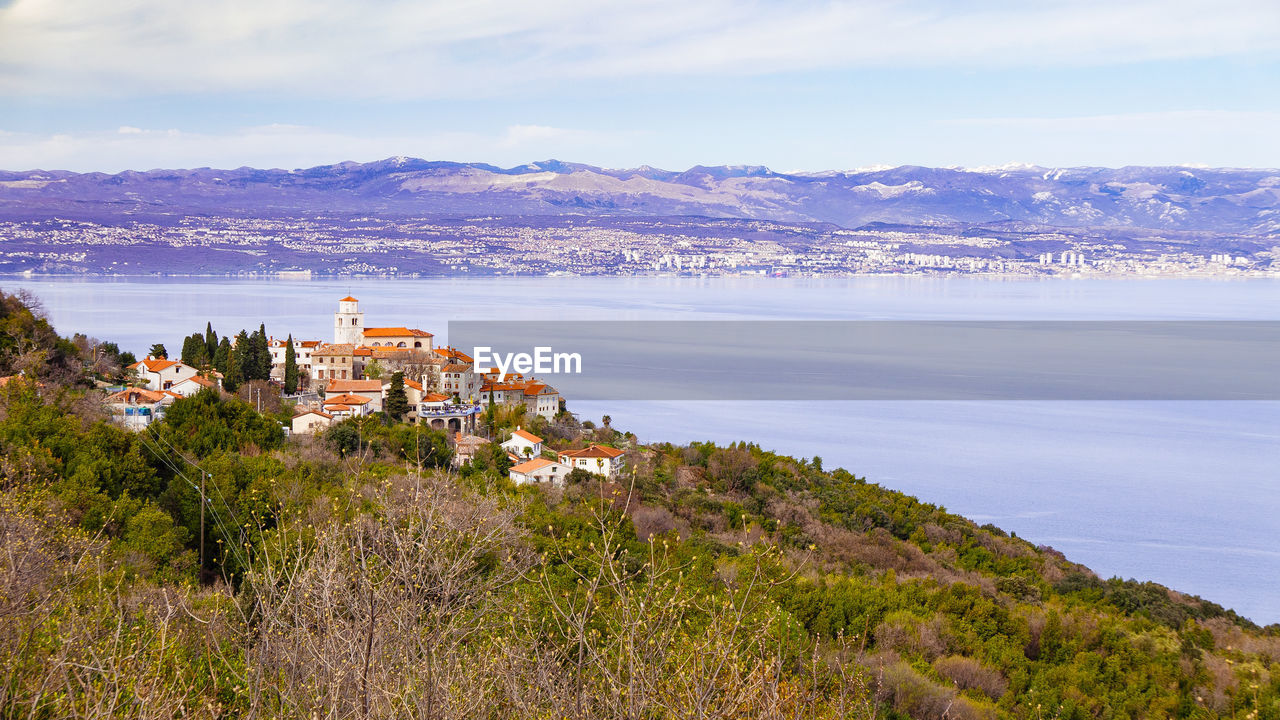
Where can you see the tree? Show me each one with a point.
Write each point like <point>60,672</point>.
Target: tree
<point>210,341</point>
<point>256,356</point>
<point>290,367</point>
<point>158,351</point>
<point>373,370</point>
<point>262,354</point>
<point>193,351</point>
<point>222,356</point>
<point>397,405</point>
<point>237,363</point>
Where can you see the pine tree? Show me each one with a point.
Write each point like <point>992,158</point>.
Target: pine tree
<point>158,351</point>
<point>397,405</point>
<point>290,367</point>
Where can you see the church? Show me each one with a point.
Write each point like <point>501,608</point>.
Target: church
<point>349,329</point>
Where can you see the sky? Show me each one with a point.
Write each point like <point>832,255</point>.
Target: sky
<point>88,85</point>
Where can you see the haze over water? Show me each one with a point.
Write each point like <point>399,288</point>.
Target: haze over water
<point>1182,493</point>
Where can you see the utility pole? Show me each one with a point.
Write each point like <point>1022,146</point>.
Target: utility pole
<point>203,475</point>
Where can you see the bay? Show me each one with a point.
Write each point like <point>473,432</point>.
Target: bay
<point>1182,493</point>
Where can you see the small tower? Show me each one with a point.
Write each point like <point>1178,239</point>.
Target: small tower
<point>348,322</point>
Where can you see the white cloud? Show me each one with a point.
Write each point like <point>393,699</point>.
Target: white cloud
<point>286,146</point>
<point>417,48</point>
<point>1202,138</point>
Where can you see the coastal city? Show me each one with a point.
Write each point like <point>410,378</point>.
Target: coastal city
<point>323,246</point>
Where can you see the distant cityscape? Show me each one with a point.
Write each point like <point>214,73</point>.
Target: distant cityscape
<point>408,217</point>
<point>354,246</point>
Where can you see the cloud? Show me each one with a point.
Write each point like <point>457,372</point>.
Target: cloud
<point>286,146</point>
<point>436,49</point>
<point>1214,138</point>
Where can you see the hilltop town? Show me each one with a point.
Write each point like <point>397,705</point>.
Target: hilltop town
<point>396,374</point>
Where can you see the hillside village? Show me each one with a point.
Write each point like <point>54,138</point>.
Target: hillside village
<point>397,374</point>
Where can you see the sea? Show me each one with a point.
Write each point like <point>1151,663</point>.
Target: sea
<point>1186,494</point>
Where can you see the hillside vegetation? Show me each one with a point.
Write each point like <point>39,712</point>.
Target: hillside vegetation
<point>357,575</point>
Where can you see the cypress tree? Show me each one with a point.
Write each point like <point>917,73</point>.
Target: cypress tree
<point>290,367</point>
<point>397,405</point>
<point>238,362</point>
<point>222,356</point>
<point>190,351</point>
<point>262,354</point>
<point>210,341</point>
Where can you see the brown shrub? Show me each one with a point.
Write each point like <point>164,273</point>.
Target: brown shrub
<point>906,633</point>
<point>969,674</point>
<point>650,520</point>
<point>907,691</point>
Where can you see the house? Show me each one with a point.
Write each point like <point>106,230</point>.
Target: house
<point>449,354</point>
<point>369,388</point>
<point>523,444</point>
<point>459,379</point>
<point>596,459</point>
<point>465,447</point>
<point>302,356</point>
<point>541,399</point>
<point>192,385</point>
<point>136,408</point>
<point>509,393</point>
<point>539,470</point>
<point>347,405</point>
<point>309,422</point>
<point>161,374</point>
<point>334,362</point>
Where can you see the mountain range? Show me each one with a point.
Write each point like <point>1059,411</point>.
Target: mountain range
<point>1162,199</point>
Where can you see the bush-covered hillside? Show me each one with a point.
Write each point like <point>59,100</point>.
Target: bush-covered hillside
<point>358,575</point>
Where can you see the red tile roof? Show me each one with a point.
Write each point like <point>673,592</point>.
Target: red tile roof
<point>154,365</point>
<point>136,396</point>
<point>348,299</point>
<point>355,386</point>
<point>526,435</point>
<point>347,399</point>
<point>531,465</point>
<point>594,451</point>
<point>395,332</point>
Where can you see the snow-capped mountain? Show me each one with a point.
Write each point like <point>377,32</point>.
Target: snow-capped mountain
<point>1245,201</point>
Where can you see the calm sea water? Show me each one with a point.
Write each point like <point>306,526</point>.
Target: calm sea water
<point>1185,494</point>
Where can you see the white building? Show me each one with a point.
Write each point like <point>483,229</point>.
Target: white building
<point>136,408</point>
<point>302,350</point>
<point>161,374</point>
<point>541,399</point>
<point>348,322</point>
<point>596,459</point>
<point>347,405</point>
<point>371,389</point>
<point>523,444</point>
<point>459,379</point>
<point>309,422</point>
<point>192,385</point>
<point>539,470</point>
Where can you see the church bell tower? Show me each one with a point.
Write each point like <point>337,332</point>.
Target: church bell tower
<point>348,322</point>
